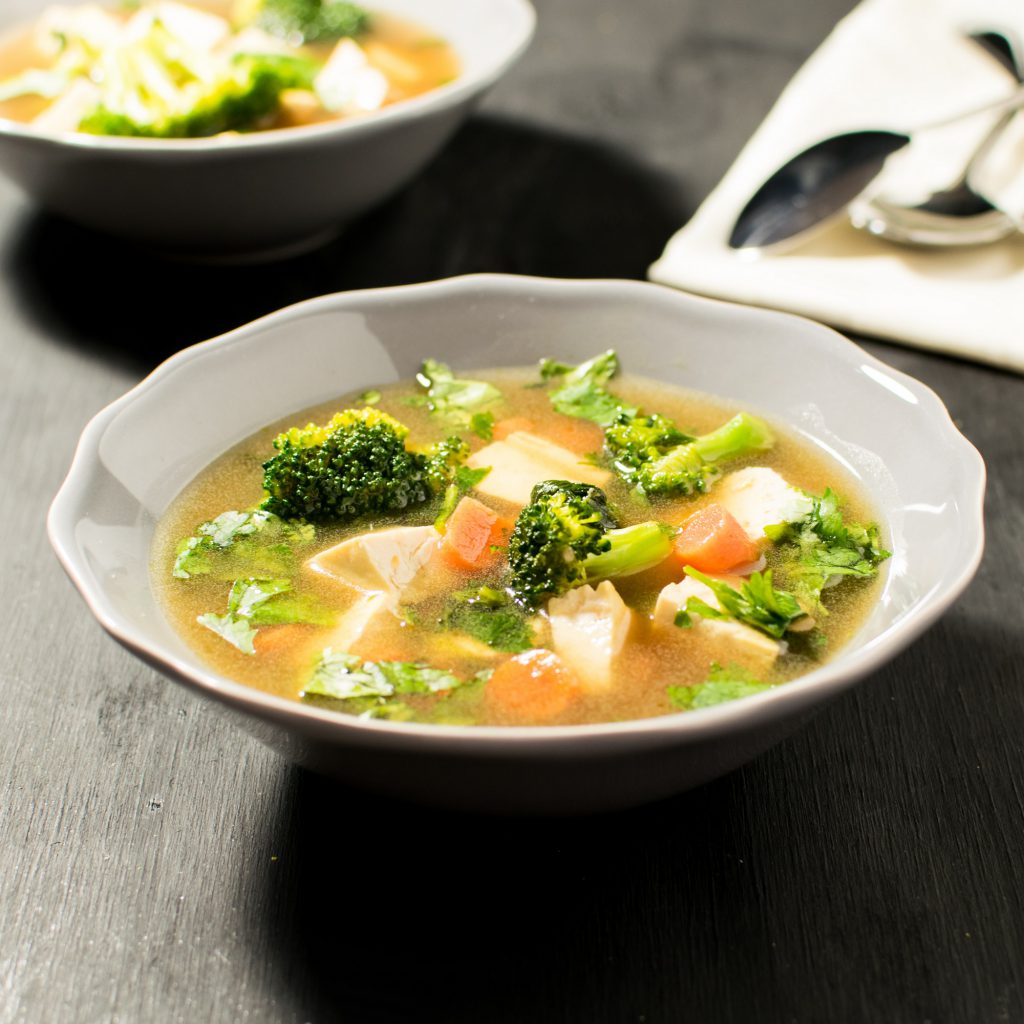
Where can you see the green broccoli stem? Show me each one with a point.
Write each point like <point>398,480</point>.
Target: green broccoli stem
<point>742,435</point>
<point>633,549</point>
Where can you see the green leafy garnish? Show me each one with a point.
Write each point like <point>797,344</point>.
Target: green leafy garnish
<point>821,548</point>
<point>582,392</point>
<point>722,685</point>
<point>757,603</point>
<point>452,397</point>
<point>256,541</point>
<point>237,631</point>
<point>482,424</point>
<point>256,602</point>
<point>371,397</point>
<point>490,616</point>
<point>342,676</point>
<point>464,480</point>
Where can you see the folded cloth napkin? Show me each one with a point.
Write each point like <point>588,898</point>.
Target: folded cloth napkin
<point>897,64</point>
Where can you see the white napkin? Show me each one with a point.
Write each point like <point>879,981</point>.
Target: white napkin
<point>896,64</point>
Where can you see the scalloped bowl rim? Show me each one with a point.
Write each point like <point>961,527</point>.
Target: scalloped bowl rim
<point>851,664</point>
<point>461,88</point>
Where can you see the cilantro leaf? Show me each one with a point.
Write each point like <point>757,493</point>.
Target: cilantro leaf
<point>256,541</point>
<point>237,631</point>
<point>722,685</point>
<point>339,675</point>
<point>582,392</point>
<point>482,424</point>
<point>757,603</point>
<point>820,549</point>
<point>490,616</point>
<point>451,396</point>
<point>464,480</point>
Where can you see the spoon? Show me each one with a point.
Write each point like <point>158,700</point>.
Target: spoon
<point>956,215</point>
<point>818,185</point>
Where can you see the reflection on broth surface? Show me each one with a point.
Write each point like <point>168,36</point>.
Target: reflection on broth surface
<point>682,600</point>
<point>168,69</point>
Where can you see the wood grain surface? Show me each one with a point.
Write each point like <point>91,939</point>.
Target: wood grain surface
<point>156,864</point>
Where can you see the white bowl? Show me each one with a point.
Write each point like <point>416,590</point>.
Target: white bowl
<point>268,192</point>
<point>926,481</point>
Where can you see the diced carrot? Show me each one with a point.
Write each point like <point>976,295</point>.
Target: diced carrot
<point>510,425</point>
<point>275,639</point>
<point>578,435</point>
<point>711,540</point>
<point>472,532</point>
<point>535,686</point>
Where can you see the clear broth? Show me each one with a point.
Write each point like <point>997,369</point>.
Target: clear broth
<point>651,660</point>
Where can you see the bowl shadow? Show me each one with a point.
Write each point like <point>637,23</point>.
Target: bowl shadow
<point>503,196</point>
<point>773,893</point>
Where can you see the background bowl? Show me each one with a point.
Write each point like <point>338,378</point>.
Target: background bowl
<point>268,192</point>
<point>891,432</point>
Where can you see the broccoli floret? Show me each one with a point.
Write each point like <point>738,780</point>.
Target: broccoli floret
<point>567,536</point>
<point>355,465</point>
<point>303,21</point>
<point>158,95</point>
<point>654,457</point>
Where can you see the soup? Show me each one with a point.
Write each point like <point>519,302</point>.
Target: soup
<point>557,548</point>
<point>165,69</point>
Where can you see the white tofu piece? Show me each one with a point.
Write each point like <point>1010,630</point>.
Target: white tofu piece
<point>588,629</point>
<point>675,595</point>
<point>760,497</point>
<point>90,22</point>
<point>522,460</point>
<point>348,84</point>
<point>743,644</point>
<point>197,28</point>
<point>382,561</point>
<point>66,112</point>
<point>366,615</point>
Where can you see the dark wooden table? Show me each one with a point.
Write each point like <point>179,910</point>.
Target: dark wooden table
<point>158,865</point>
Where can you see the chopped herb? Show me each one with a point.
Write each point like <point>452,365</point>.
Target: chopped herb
<point>482,424</point>
<point>263,602</point>
<point>682,619</point>
<point>463,482</point>
<point>721,685</point>
<point>237,631</point>
<point>490,616</point>
<point>757,603</point>
<point>452,397</point>
<point>342,676</point>
<point>582,392</point>
<point>371,397</point>
<point>819,549</point>
<point>256,541</point>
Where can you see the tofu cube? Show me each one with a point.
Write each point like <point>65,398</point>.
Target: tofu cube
<point>382,561</point>
<point>589,627</point>
<point>759,497</point>
<point>739,643</point>
<point>522,460</point>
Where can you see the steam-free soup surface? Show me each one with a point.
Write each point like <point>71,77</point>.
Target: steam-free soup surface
<point>390,60</point>
<point>653,665</point>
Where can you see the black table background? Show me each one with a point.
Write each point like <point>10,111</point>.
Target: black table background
<point>156,864</point>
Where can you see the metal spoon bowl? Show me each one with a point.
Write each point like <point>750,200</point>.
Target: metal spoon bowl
<point>956,215</point>
<point>817,186</point>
